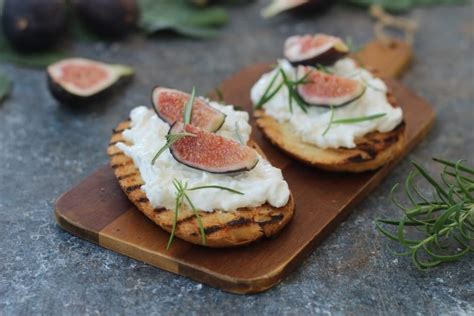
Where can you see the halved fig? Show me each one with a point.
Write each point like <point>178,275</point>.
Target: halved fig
<point>75,80</point>
<point>298,6</point>
<point>314,49</point>
<point>109,18</point>
<point>211,152</point>
<point>169,106</point>
<point>327,90</point>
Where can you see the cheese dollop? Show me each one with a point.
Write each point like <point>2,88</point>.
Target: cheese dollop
<point>262,184</point>
<point>312,125</point>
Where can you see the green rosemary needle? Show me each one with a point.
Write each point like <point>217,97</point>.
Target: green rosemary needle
<point>268,94</point>
<point>292,93</point>
<point>181,194</point>
<point>237,133</point>
<point>170,140</point>
<point>330,120</point>
<point>438,228</point>
<point>290,85</point>
<point>352,120</point>
<point>188,108</point>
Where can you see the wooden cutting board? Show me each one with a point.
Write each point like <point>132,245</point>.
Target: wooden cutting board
<point>98,211</point>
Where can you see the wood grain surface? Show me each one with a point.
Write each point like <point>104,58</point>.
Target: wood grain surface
<point>97,209</point>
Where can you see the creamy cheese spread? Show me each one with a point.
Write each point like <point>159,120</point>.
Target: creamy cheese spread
<point>262,184</point>
<point>312,125</point>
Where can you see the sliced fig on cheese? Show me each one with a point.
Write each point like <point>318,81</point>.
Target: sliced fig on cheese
<point>169,105</point>
<point>76,80</point>
<point>314,49</point>
<point>326,90</point>
<point>211,152</point>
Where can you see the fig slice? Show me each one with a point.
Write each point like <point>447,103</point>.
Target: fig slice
<point>327,90</point>
<point>169,106</point>
<point>75,80</point>
<point>211,152</point>
<point>314,49</point>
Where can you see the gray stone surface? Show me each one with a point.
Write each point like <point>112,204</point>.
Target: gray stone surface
<point>47,148</point>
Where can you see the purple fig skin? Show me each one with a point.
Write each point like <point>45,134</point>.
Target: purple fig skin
<point>27,24</point>
<point>329,57</point>
<point>356,95</point>
<point>108,18</point>
<point>314,49</point>
<point>59,91</point>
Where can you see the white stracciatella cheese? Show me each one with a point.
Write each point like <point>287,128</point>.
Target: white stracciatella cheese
<point>312,125</point>
<point>262,184</point>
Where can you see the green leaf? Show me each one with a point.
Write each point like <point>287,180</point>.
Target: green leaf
<point>5,86</point>
<point>179,16</point>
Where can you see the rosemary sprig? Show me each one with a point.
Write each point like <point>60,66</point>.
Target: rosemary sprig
<point>237,133</point>
<point>188,108</point>
<point>268,94</point>
<point>292,93</point>
<point>444,222</point>
<point>291,86</point>
<point>181,195</point>
<point>352,120</point>
<point>170,140</point>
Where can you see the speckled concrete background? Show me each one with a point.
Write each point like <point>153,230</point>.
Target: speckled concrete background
<point>47,148</point>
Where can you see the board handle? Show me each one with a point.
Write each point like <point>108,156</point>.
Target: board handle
<point>385,59</point>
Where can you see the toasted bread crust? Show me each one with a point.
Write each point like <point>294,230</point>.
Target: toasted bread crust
<point>223,229</point>
<point>372,151</point>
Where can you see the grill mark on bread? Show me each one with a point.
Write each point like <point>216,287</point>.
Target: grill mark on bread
<point>133,188</point>
<point>125,176</point>
<point>123,164</point>
<point>143,200</point>
<point>202,214</point>
<point>119,153</point>
<point>159,210</point>
<point>212,229</point>
<point>241,221</point>
<point>273,219</point>
<point>118,130</point>
<point>356,158</point>
<point>369,149</point>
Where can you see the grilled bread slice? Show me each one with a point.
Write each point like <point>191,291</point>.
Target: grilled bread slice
<point>222,229</point>
<point>372,151</point>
